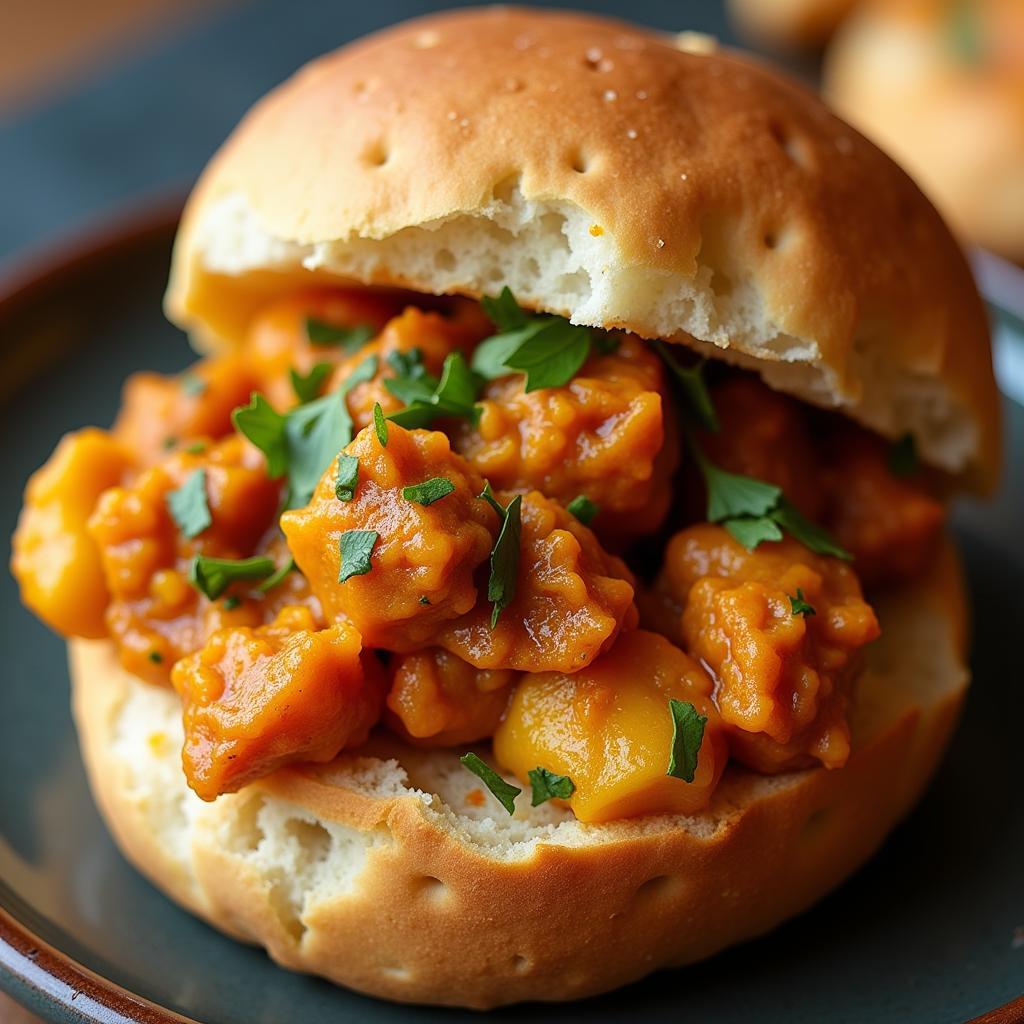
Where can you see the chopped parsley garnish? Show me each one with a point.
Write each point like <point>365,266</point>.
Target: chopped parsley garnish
<point>262,424</point>
<point>965,32</point>
<point>347,480</point>
<point>424,599</point>
<point>192,385</point>
<point>212,576</point>
<point>429,491</point>
<point>501,586</point>
<point>303,442</point>
<point>547,348</point>
<point>380,425</point>
<point>454,395</point>
<point>800,605</point>
<point>902,457</point>
<point>188,505</point>
<point>156,657</point>
<point>504,792</point>
<point>326,335</point>
<point>687,737</point>
<point>356,546</point>
<point>272,581</point>
<point>195,448</point>
<point>583,509</point>
<point>307,387</point>
<point>754,511</point>
<point>547,785</point>
<point>231,602</point>
<point>169,443</point>
<point>690,385</point>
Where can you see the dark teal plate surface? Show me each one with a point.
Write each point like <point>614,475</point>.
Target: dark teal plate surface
<point>932,930</point>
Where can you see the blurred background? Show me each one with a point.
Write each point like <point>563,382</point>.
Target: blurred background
<point>110,108</point>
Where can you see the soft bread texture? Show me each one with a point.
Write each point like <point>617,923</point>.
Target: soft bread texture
<point>789,24</point>
<point>605,174</point>
<point>958,127</point>
<point>376,872</point>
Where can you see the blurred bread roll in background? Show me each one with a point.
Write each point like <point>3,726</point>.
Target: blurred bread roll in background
<point>788,24</point>
<point>939,84</point>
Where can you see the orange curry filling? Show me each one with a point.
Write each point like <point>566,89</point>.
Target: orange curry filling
<point>344,526</point>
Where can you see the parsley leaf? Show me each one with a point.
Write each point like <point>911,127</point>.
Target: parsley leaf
<point>809,534</point>
<point>504,312</point>
<point>262,424</point>
<point>356,546</point>
<point>188,505</point>
<point>272,581</point>
<point>192,385</point>
<point>380,425</point>
<point>583,509</point>
<point>553,355</point>
<point>501,587</point>
<point>902,457</point>
<point>687,737</point>
<point>302,443</point>
<point>799,605</point>
<point>503,792</point>
<point>307,387</point>
<point>753,530</point>
<point>156,657</point>
<point>547,785</point>
<point>732,496</point>
<point>454,395</point>
<point>321,333</point>
<point>429,491</point>
<point>347,480</point>
<point>965,32</point>
<point>697,403</point>
<point>548,348</point>
<point>212,576</point>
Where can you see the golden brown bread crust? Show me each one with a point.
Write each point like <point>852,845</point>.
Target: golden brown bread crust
<point>895,71</point>
<point>349,873</point>
<point>607,175</point>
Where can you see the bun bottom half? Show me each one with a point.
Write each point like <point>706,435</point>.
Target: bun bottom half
<point>379,872</point>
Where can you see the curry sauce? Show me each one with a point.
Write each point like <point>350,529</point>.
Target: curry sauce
<point>390,512</point>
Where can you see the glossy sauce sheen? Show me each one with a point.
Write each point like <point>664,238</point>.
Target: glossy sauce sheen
<point>564,679</point>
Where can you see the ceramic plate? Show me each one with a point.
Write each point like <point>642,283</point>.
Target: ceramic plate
<point>932,930</point>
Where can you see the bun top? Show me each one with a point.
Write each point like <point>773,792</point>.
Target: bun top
<point>615,176</point>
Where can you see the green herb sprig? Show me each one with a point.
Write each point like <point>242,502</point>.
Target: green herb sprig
<point>302,443</point>
<point>429,491</point>
<point>427,399</point>
<point>356,547</point>
<point>800,605</point>
<point>547,348</point>
<point>583,509</point>
<point>546,785</point>
<point>504,578</point>
<point>503,792</point>
<point>212,576</point>
<point>188,505</point>
<point>687,738</point>
<point>326,335</point>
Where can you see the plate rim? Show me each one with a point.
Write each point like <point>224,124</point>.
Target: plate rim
<point>33,971</point>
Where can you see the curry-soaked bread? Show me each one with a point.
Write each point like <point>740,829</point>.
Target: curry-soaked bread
<point>483,909</point>
<point>605,174</point>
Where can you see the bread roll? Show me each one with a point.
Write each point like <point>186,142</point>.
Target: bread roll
<point>604,174</point>
<point>378,873</point>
